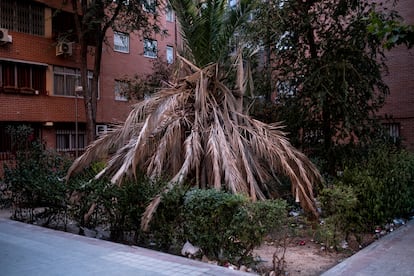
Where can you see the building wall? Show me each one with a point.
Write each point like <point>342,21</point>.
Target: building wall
<point>36,108</point>
<point>117,65</point>
<point>400,103</point>
<point>58,110</point>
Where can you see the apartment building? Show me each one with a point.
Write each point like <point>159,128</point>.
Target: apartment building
<point>399,105</point>
<point>39,73</point>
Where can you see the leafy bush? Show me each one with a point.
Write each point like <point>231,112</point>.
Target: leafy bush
<point>340,215</point>
<point>167,228</point>
<point>35,180</point>
<point>130,202</point>
<point>227,227</point>
<point>90,199</point>
<point>383,185</point>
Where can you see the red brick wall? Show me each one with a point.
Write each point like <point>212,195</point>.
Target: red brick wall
<point>116,65</point>
<point>400,61</point>
<point>45,108</point>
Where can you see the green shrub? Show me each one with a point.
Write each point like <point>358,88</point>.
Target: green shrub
<point>167,233</point>
<point>85,192</point>
<point>36,180</point>
<point>383,184</point>
<point>131,199</point>
<point>227,227</point>
<point>339,205</point>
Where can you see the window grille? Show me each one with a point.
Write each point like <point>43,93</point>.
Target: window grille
<point>22,16</point>
<point>393,130</point>
<point>66,140</point>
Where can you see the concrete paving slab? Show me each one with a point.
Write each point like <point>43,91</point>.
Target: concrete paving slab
<point>392,255</point>
<point>27,249</point>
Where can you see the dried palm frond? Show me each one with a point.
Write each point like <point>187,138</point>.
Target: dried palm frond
<point>195,130</point>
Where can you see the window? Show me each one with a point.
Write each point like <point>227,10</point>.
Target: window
<point>121,42</point>
<point>232,3</point>
<point>66,79</point>
<point>284,42</point>
<point>63,27</point>
<point>169,13</point>
<point>393,130</point>
<point>285,88</point>
<point>66,140</point>
<point>125,2</point>
<point>150,48</point>
<point>282,3</point>
<point>170,54</point>
<point>150,6</point>
<point>120,91</point>
<point>22,77</point>
<point>313,136</point>
<point>22,16</point>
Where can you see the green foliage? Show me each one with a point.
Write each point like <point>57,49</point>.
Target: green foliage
<point>140,86</point>
<point>119,207</point>
<point>226,227</point>
<point>392,32</point>
<point>85,192</point>
<point>328,69</point>
<point>341,217</point>
<point>371,192</point>
<point>126,211</point>
<point>167,228</point>
<point>208,26</point>
<point>36,179</point>
<point>21,137</point>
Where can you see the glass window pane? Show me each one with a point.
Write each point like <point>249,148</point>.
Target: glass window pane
<point>150,48</point>
<point>59,85</point>
<point>71,83</point>
<point>121,42</point>
<point>170,54</point>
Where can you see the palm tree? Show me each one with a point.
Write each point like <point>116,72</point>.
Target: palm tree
<point>196,129</point>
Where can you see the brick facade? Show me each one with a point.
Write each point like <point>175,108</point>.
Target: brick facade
<point>400,103</point>
<point>49,111</point>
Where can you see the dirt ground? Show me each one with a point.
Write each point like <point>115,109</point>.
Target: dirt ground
<point>301,258</point>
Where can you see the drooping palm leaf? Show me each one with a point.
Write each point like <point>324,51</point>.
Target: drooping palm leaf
<point>196,130</point>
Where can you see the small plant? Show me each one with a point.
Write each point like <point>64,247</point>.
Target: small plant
<point>341,218</point>
<point>227,227</point>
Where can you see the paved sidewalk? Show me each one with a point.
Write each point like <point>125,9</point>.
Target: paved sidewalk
<point>27,249</point>
<point>391,255</point>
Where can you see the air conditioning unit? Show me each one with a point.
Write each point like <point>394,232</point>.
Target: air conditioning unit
<point>101,129</point>
<point>4,36</point>
<point>64,48</point>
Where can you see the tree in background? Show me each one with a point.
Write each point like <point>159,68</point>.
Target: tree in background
<point>391,31</point>
<point>93,19</point>
<point>328,68</point>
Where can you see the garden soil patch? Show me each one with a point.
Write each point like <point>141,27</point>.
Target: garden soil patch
<point>301,258</point>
